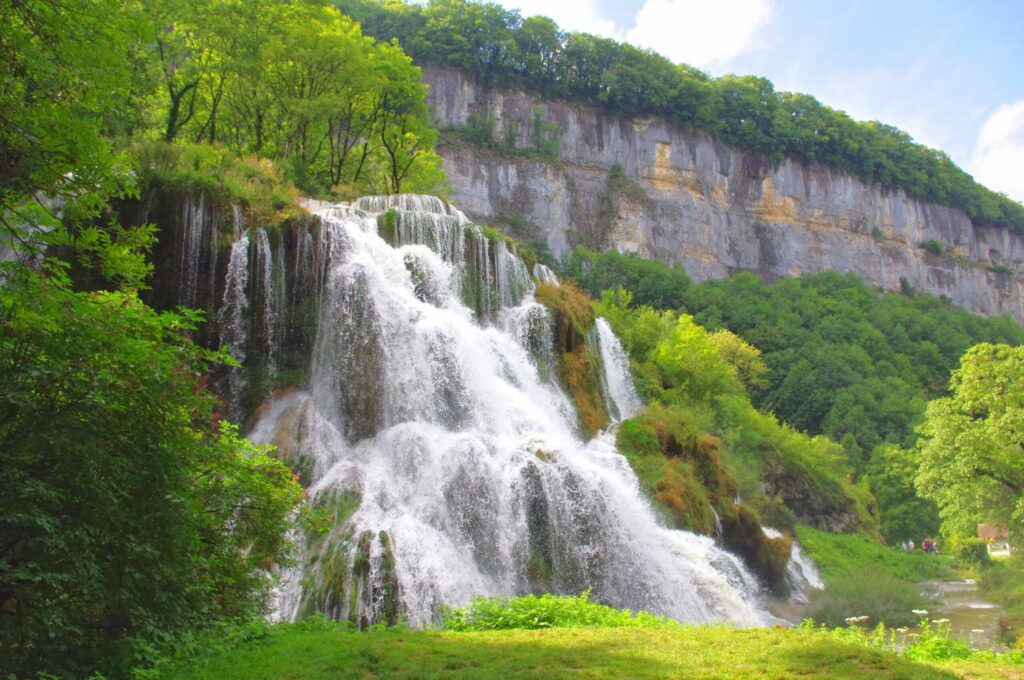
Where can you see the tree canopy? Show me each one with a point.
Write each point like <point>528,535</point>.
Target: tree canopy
<point>972,442</point>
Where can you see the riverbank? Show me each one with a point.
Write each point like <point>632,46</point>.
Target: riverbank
<point>298,652</point>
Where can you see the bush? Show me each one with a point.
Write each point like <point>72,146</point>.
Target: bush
<point>545,611</point>
<point>869,592</point>
<point>968,552</point>
<point>129,514</point>
<point>254,183</point>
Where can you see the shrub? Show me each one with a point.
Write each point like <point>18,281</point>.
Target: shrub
<point>545,611</point>
<point>968,552</point>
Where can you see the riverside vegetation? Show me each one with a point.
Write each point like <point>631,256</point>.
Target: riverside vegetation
<point>137,527</point>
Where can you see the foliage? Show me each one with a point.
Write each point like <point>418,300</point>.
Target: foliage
<point>903,515</point>
<point>127,513</point>
<point>843,359</point>
<point>870,592</point>
<point>677,466</point>
<point>294,82</point>
<point>57,167</point>
<point>497,46</point>
<point>840,555</point>
<point>678,363</point>
<point>299,652</point>
<point>970,460</point>
<point>931,642</point>
<point>544,611</point>
<point>249,182</point>
<point>967,552</point>
<point>652,284</point>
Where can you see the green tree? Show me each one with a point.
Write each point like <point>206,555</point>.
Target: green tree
<point>972,442</point>
<point>128,513</point>
<point>902,513</point>
<point>56,88</point>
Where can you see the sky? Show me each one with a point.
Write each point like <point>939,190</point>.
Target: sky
<point>949,73</point>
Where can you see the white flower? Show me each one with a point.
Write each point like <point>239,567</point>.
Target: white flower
<point>920,612</point>
<point>941,621</point>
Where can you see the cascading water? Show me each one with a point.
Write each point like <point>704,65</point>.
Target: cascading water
<point>194,237</point>
<point>233,319</point>
<point>437,438</point>
<point>265,265</point>
<point>623,400</point>
<point>801,572</point>
<point>544,275</point>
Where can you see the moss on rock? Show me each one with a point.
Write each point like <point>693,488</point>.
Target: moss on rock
<point>579,364</point>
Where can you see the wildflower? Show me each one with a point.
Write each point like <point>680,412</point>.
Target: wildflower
<point>902,630</point>
<point>920,612</point>
<point>941,621</point>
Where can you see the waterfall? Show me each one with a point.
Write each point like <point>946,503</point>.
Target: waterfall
<point>623,400</point>
<point>193,245</point>
<point>801,572</point>
<point>264,265</point>
<point>433,430</point>
<point>234,330</point>
<point>544,275</point>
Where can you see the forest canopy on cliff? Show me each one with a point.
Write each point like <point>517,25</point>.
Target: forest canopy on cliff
<point>499,47</point>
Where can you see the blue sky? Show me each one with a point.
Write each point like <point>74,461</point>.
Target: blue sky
<point>949,73</point>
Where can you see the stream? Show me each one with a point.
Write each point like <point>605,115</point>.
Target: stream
<point>971,618</point>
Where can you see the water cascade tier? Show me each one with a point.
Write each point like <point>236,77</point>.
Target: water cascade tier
<point>437,444</point>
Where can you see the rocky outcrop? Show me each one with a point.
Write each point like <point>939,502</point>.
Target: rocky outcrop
<point>686,198</point>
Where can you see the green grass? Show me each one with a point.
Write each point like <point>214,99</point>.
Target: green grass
<point>838,555</point>
<point>302,653</point>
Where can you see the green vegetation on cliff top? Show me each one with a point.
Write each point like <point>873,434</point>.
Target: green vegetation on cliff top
<point>498,47</point>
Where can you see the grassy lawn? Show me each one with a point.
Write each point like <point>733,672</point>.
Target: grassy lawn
<point>840,554</point>
<point>296,653</point>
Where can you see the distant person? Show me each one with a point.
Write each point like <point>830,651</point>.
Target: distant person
<point>911,544</point>
<point>904,545</point>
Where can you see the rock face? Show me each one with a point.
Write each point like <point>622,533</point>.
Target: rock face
<point>686,198</point>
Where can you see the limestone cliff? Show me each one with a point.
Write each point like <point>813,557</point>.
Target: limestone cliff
<point>686,198</point>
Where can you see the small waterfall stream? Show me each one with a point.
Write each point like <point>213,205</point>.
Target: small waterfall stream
<point>434,430</point>
<point>801,572</point>
<point>234,320</point>
<point>623,400</point>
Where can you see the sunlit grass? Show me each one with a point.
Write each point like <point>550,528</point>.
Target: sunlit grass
<point>295,653</point>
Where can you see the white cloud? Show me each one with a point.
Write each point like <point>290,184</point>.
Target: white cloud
<point>699,32</point>
<point>570,15</point>
<point>997,160</point>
